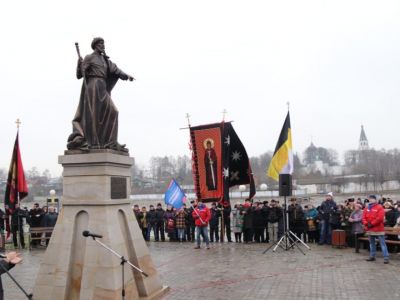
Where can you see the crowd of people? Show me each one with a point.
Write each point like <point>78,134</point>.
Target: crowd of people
<point>263,222</point>
<point>35,217</point>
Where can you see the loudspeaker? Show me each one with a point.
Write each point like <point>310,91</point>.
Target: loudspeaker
<point>285,185</point>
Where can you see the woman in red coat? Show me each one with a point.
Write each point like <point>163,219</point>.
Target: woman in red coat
<point>373,220</point>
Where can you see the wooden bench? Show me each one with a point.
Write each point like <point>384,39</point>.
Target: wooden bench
<point>39,233</point>
<point>388,232</point>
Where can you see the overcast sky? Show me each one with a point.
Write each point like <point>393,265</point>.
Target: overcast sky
<point>337,62</point>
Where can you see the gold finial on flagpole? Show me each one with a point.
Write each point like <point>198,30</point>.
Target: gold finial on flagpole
<point>18,122</point>
<point>188,118</point>
<point>224,112</point>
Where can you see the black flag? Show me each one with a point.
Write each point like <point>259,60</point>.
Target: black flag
<point>236,164</point>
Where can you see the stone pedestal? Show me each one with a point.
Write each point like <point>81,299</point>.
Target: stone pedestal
<point>96,198</point>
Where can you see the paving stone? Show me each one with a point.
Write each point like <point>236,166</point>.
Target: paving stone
<point>239,271</point>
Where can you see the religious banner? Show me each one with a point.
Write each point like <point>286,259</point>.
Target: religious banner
<point>219,161</point>
<point>207,161</point>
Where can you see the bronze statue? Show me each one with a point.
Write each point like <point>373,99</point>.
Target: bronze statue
<point>95,125</point>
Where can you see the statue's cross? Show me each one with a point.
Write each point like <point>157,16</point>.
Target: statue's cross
<point>188,118</point>
<point>18,122</point>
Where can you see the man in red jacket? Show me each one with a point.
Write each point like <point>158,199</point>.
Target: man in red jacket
<point>201,215</point>
<point>373,220</point>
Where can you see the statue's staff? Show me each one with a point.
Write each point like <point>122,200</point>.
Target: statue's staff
<point>78,51</point>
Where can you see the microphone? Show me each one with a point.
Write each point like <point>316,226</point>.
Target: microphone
<point>87,233</point>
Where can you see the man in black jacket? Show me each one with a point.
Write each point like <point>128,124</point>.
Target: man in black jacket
<point>296,218</point>
<point>227,209</point>
<point>190,226</point>
<point>265,209</point>
<point>160,223</point>
<point>35,216</point>
<point>17,221</point>
<point>326,209</point>
<point>275,220</point>
<point>12,258</point>
<point>152,222</point>
<point>258,223</point>
<point>214,222</point>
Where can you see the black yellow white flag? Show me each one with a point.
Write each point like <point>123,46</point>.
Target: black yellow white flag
<point>282,160</point>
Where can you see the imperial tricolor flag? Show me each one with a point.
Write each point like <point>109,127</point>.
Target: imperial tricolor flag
<point>282,160</point>
<point>174,195</point>
<point>17,187</point>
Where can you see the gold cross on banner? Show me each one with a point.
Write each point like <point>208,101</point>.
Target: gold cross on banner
<point>18,122</point>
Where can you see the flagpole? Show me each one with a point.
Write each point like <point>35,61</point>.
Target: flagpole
<point>18,122</point>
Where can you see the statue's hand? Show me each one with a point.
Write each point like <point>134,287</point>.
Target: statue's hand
<point>131,78</point>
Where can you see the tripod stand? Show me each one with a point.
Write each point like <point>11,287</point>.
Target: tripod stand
<point>289,239</point>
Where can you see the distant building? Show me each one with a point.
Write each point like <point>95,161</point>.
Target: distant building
<point>363,145</point>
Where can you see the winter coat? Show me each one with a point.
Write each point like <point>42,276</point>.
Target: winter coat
<point>214,219</point>
<point>311,217</point>
<point>201,214</point>
<point>374,214</point>
<point>275,214</point>
<point>143,220</point>
<point>36,216</point>
<point>138,216</point>
<point>326,208</point>
<point>169,218</point>
<point>237,221</point>
<point>49,219</point>
<point>180,219</point>
<point>356,225</point>
<point>189,217</point>
<point>258,218</point>
<point>160,215</point>
<point>247,213</point>
<point>296,214</point>
<point>390,217</point>
<point>266,214</point>
<point>152,217</point>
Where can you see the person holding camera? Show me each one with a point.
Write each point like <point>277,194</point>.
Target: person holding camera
<point>373,220</point>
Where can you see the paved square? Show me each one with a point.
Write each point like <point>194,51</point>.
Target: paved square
<point>239,271</point>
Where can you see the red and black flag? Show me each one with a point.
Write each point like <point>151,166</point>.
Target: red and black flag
<point>17,187</point>
<point>219,161</point>
<point>236,166</point>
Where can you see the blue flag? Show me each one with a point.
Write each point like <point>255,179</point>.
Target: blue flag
<point>174,195</point>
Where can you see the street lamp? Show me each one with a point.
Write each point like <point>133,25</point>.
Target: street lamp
<point>53,199</point>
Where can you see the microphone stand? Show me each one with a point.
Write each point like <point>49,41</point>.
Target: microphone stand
<point>123,261</point>
<point>28,296</point>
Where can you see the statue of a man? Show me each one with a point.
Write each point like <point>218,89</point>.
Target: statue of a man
<point>95,125</point>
